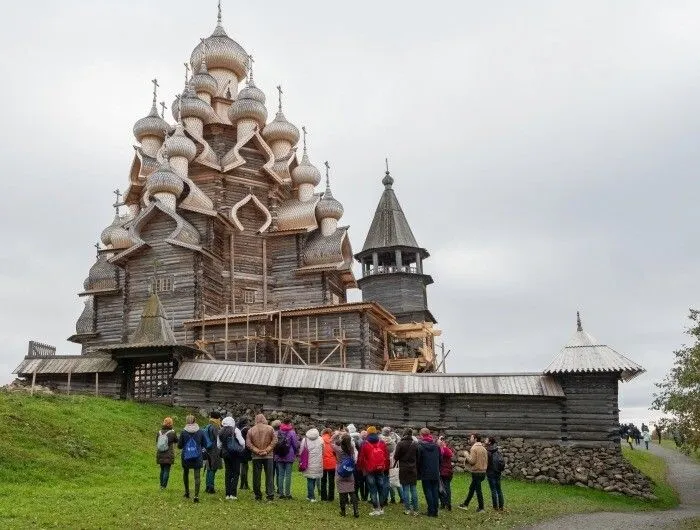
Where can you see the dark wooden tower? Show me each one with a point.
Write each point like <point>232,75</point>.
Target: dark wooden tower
<point>392,262</point>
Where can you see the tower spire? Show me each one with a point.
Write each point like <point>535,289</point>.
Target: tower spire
<point>579,327</point>
<point>388,180</point>
<point>279,106</point>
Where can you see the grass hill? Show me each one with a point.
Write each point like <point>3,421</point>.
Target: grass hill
<point>87,462</point>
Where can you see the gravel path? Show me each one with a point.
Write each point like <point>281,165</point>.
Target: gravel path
<point>684,476</point>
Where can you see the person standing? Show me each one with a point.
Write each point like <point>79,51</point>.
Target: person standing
<point>406,456</point>
<point>313,446</point>
<point>647,438</point>
<point>275,472</point>
<point>261,442</point>
<point>429,471</point>
<point>329,465</point>
<point>346,456</point>
<point>285,453</point>
<point>446,472</point>
<point>373,460</point>
<point>390,440</point>
<point>494,468</point>
<point>165,455</point>
<point>360,484</point>
<point>213,454</point>
<point>191,441</point>
<point>232,449</point>
<point>243,425</point>
<point>478,459</point>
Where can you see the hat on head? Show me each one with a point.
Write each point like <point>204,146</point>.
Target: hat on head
<point>276,423</point>
<point>371,429</point>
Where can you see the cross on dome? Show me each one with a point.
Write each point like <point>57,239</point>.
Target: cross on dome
<point>155,89</point>
<point>187,72</point>
<point>97,246</point>
<point>579,327</point>
<point>328,179</point>
<point>388,180</point>
<point>250,69</point>
<point>279,89</point>
<point>162,109</point>
<point>218,16</point>
<point>118,194</point>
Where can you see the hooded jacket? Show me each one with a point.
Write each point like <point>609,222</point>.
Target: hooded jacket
<point>287,430</point>
<point>329,461</point>
<point>406,455</point>
<point>228,430</point>
<point>191,431</point>
<point>314,444</point>
<point>356,438</point>
<point>364,460</point>
<point>428,459</point>
<point>261,438</point>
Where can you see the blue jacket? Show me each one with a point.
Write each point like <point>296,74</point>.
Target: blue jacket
<point>428,460</point>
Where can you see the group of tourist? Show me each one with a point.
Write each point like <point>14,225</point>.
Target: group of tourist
<point>379,466</point>
<point>633,435</point>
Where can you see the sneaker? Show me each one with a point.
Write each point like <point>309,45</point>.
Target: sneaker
<point>479,510</point>
<point>375,512</point>
<point>196,499</point>
<point>234,498</point>
<point>463,506</point>
<point>407,512</point>
<point>313,500</point>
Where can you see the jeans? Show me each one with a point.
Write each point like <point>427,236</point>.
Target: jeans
<point>393,493</point>
<point>268,465</point>
<point>344,497</point>
<point>496,492</point>
<point>384,491</point>
<point>231,473</point>
<point>647,444</point>
<point>431,490</point>
<point>284,479</point>
<point>361,485</point>
<point>164,475</point>
<point>210,476</point>
<point>410,497</point>
<point>186,480</point>
<point>328,485</point>
<point>311,488</point>
<point>244,475</point>
<point>446,493</point>
<point>475,487</point>
<point>375,482</point>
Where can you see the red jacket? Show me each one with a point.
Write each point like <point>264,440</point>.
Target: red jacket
<point>329,461</point>
<point>374,456</point>
<point>445,462</point>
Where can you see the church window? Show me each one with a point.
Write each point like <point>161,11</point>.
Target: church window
<point>335,299</point>
<point>248,296</point>
<point>162,284</point>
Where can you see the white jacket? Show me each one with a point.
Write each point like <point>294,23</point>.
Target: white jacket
<point>314,443</point>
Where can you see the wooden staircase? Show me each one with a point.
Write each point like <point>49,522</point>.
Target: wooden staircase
<point>402,365</point>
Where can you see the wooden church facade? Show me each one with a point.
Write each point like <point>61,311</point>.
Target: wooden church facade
<point>224,274</point>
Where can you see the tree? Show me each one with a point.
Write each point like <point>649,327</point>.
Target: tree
<point>679,392</point>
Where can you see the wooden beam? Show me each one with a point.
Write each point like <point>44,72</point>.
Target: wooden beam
<point>68,386</point>
<point>31,393</point>
<point>97,383</point>
<point>264,268</point>
<point>226,336</point>
<point>232,273</point>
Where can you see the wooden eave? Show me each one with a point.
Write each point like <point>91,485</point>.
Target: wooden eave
<point>100,291</point>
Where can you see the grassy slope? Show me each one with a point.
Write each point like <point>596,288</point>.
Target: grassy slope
<point>84,462</point>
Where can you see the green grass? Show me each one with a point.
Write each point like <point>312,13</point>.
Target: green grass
<point>655,468</point>
<point>86,462</point>
<point>670,444</point>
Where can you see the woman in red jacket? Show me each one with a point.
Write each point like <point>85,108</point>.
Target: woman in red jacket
<point>445,474</point>
<point>329,465</point>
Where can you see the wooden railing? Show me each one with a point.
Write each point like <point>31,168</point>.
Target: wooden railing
<point>39,349</point>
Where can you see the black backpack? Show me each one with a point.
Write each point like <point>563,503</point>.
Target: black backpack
<point>499,464</point>
<point>282,446</point>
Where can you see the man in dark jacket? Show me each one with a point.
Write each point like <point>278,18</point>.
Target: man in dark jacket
<point>493,473</point>
<point>213,453</point>
<point>429,471</point>
<point>191,441</point>
<point>406,457</point>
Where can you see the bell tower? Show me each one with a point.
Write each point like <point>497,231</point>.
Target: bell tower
<point>392,262</point>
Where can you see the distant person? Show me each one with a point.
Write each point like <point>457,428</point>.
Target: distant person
<point>647,438</point>
<point>165,438</point>
<point>243,425</point>
<point>495,467</point>
<point>286,451</point>
<point>446,473</point>
<point>630,440</point>
<point>213,455</point>
<point>191,442</point>
<point>429,471</point>
<point>645,427</point>
<point>346,456</point>
<point>275,472</point>
<point>390,439</point>
<point>657,431</point>
<point>232,451</point>
<point>406,456</point>
<point>637,436</point>
<point>374,463</point>
<point>478,459</point>
<point>329,465</point>
<point>261,442</point>
<point>312,448</point>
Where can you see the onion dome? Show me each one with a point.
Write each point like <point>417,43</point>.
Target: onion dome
<point>164,180</point>
<point>280,128</point>
<point>221,51</point>
<point>180,144</point>
<point>190,106</point>
<point>305,172</point>
<point>102,275</point>
<point>116,235</point>
<point>203,81</point>
<point>151,125</point>
<point>249,104</point>
<point>328,206</point>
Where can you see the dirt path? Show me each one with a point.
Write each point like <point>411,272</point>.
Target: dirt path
<point>684,476</point>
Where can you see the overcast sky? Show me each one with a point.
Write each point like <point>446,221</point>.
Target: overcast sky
<point>545,153</point>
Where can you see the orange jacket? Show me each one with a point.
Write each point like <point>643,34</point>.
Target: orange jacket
<point>329,461</point>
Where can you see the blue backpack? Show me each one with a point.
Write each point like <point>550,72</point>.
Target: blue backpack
<point>208,438</point>
<point>191,451</point>
<point>346,467</point>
